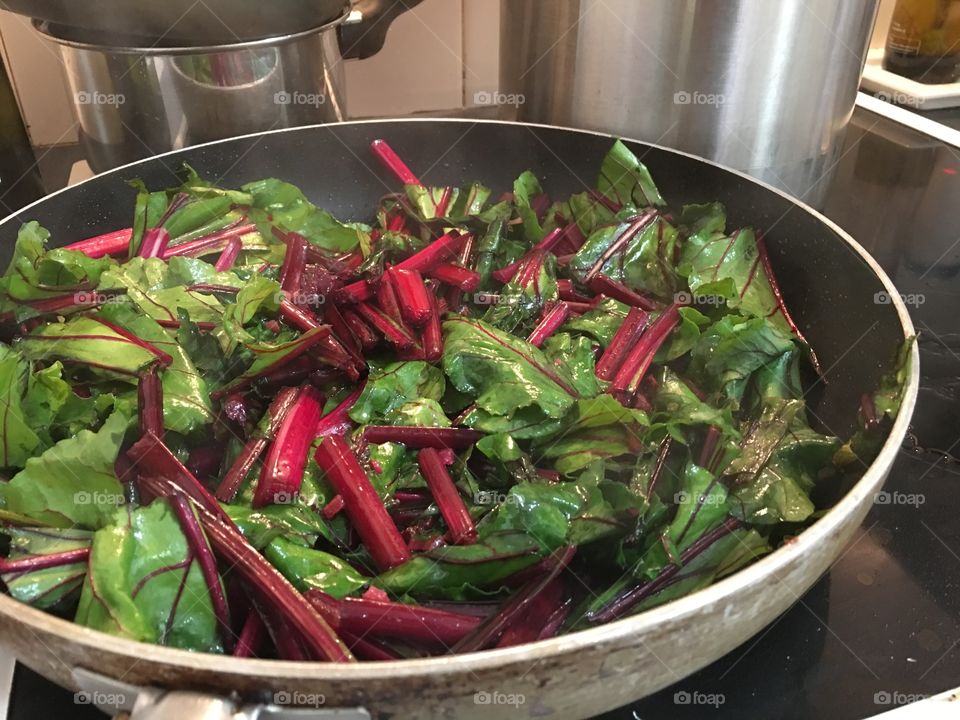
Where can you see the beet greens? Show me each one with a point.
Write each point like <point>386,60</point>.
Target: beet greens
<point>244,426</point>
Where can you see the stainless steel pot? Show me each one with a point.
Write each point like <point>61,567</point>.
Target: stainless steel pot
<point>135,97</point>
<point>764,86</point>
<point>582,674</point>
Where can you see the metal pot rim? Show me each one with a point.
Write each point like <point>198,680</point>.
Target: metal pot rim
<point>49,31</point>
<point>808,541</point>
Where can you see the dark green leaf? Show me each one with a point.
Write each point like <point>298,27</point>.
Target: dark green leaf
<point>145,583</point>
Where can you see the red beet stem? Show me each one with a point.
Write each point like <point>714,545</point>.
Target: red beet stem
<point>155,460</point>
<point>150,402</point>
<point>359,291</point>
<point>456,276</point>
<point>282,472</point>
<point>577,308</point>
<point>43,562</point>
<point>528,626</point>
<point>623,340</point>
<point>638,225</point>
<point>709,447</point>
<point>344,334</point>
<point>111,243</point>
<point>202,553</point>
<point>433,333</point>
<point>254,447</point>
<point>298,317</point>
<point>208,243</point>
<point>567,291</point>
<point>549,324</point>
<point>363,506</point>
<point>333,508</point>
<point>490,630</point>
<point>443,249</point>
<point>445,493</point>
<point>423,437</point>
<point>366,648</point>
<point>638,360</point>
<point>386,326</point>
<point>229,255</point>
<point>387,297</point>
<point>154,243</point>
<point>364,334</point>
<point>602,284</point>
<point>413,623</point>
<point>252,635</point>
<point>337,421</point>
<point>411,295</point>
<point>393,163</point>
<point>296,257</point>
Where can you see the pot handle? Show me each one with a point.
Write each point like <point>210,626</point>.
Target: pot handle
<point>365,31</point>
<point>129,702</point>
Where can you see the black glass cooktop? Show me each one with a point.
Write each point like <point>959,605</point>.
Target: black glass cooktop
<point>883,626</point>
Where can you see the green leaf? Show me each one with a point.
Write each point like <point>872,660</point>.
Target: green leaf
<point>73,483</point>
<point>729,268</point>
<point>500,446</point>
<point>49,587</point>
<point>182,270</point>
<point>625,180</point>
<point>726,555</point>
<point>85,341</point>
<point>702,504</point>
<point>36,273</point>
<point>602,322</point>
<point>186,397</point>
<point>731,350</point>
<point>260,295</point>
<point>525,189</point>
<point>148,210</point>
<point>574,356</point>
<point>603,429</point>
<point>644,263</point>
<point>145,583</point>
<point>391,386</point>
<point>266,355</point>
<point>781,461</point>
<point>310,569</point>
<point>676,407</point>
<point>455,571</point>
<point>19,439</point>
<point>289,208</point>
<point>504,373</point>
<point>294,522</point>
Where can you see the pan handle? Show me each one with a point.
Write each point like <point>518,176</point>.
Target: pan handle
<point>128,702</point>
<point>364,36</point>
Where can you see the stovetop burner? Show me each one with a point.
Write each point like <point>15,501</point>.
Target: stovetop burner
<point>882,628</point>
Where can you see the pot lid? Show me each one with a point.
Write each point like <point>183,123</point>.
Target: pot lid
<point>179,23</point>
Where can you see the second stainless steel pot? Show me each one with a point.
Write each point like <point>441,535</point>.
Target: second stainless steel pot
<point>765,86</point>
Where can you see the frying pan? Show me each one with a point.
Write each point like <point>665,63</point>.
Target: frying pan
<point>841,300</point>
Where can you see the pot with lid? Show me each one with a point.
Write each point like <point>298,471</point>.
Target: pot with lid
<point>166,77</point>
